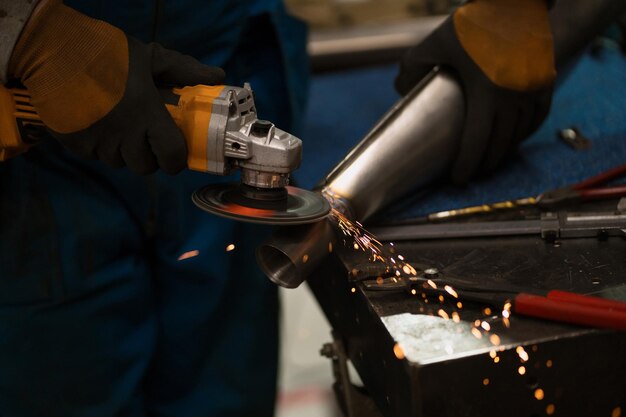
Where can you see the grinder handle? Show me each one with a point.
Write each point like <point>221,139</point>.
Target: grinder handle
<point>190,107</point>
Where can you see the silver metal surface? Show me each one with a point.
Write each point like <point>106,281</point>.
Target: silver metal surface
<point>560,225</point>
<point>264,179</point>
<point>238,139</point>
<point>413,144</point>
<point>458,230</point>
<point>354,46</point>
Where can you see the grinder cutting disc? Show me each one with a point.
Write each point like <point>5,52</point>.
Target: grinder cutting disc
<point>284,206</point>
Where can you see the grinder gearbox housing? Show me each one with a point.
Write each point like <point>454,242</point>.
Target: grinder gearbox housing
<point>223,133</point>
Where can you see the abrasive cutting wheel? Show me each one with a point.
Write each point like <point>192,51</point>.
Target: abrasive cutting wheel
<point>281,206</point>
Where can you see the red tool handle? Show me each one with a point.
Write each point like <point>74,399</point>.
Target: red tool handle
<point>542,307</point>
<point>602,193</point>
<point>586,300</point>
<point>601,178</point>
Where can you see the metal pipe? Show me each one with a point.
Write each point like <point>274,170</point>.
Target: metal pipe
<point>293,252</point>
<point>414,143</point>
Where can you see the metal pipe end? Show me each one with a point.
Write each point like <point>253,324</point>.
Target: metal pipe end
<point>292,253</point>
<point>278,266</point>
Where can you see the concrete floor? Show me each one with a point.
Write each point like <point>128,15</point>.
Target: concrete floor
<point>305,377</point>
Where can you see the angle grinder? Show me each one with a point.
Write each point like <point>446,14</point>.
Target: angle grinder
<point>223,134</point>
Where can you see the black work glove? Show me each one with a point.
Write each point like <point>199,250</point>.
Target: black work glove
<point>96,89</point>
<point>502,54</point>
<point>139,132</point>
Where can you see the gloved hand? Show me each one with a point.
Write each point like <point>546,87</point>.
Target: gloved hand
<point>96,89</point>
<point>502,51</point>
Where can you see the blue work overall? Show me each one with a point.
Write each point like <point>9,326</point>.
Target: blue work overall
<point>98,315</point>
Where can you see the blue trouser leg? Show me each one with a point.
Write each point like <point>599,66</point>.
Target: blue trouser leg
<point>77,324</point>
<point>98,317</point>
<point>217,315</point>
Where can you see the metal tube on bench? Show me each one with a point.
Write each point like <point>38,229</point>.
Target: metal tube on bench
<point>413,144</point>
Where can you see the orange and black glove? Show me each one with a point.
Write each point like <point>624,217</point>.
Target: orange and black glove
<point>97,89</point>
<point>502,51</point>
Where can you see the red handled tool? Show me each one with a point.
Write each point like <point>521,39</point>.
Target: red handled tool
<point>557,305</point>
<point>573,308</point>
<point>587,190</point>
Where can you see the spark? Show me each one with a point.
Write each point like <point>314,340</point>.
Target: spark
<point>523,355</point>
<point>432,284</point>
<point>486,381</point>
<point>494,339</point>
<point>485,326</point>
<point>379,280</point>
<point>352,290</point>
<point>397,350</point>
<point>413,292</point>
<point>539,394</point>
<point>443,314</point>
<point>189,254</point>
<point>496,359</point>
<point>492,354</point>
<point>451,291</point>
<point>401,257</point>
<point>506,322</point>
<point>230,247</point>
<point>459,304</point>
<point>617,412</point>
<point>305,258</point>
<point>550,409</point>
<point>477,323</point>
<point>477,334</point>
<point>506,314</point>
<point>354,272</point>
<point>455,317</point>
<point>362,239</point>
<point>521,370</point>
<point>330,247</point>
<point>549,363</point>
<point>441,298</point>
<point>487,311</point>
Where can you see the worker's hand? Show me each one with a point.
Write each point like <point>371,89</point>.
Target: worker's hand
<point>503,54</point>
<point>96,89</point>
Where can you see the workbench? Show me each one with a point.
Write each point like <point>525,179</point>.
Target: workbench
<point>442,368</point>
